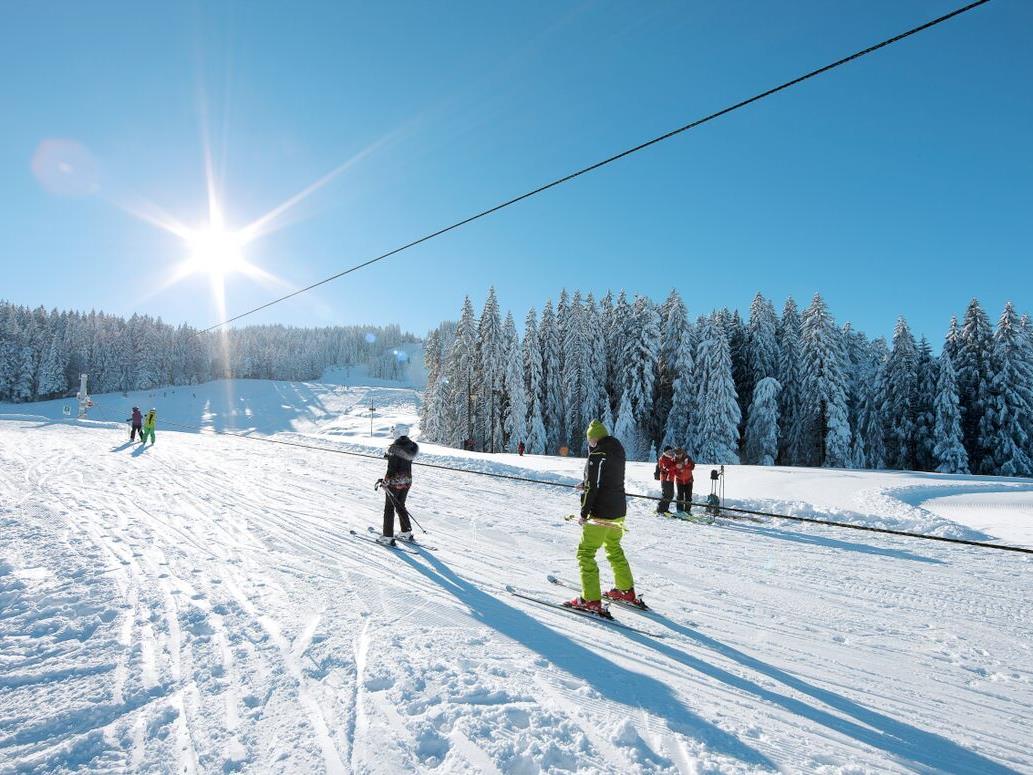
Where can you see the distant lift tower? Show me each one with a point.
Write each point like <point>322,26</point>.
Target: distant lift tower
<point>84,398</point>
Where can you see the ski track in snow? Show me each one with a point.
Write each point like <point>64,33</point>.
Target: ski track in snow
<point>200,607</point>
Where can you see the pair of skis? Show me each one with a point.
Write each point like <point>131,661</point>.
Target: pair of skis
<point>408,547</point>
<point>710,519</point>
<point>608,621</point>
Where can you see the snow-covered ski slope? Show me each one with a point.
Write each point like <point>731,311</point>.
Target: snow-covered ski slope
<point>199,606</point>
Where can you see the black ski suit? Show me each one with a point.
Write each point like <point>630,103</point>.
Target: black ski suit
<point>397,482</point>
<point>136,425</point>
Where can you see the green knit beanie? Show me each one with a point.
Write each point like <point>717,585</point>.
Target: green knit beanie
<point>596,430</point>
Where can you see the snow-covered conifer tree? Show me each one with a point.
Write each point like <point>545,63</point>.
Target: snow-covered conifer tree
<point>718,415</point>
<point>617,327</point>
<point>824,387</point>
<point>972,363</point>
<point>552,374</point>
<point>51,372</point>
<point>948,449</point>
<point>641,340</point>
<point>462,376</point>
<point>900,398</point>
<point>626,429</point>
<point>952,340</point>
<point>761,445</point>
<point>682,417</point>
<point>761,344</point>
<point>596,403</point>
<point>513,387</point>
<point>791,442</point>
<point>1008,407</point>
<point>490,372</point>
<point>532,355</point>
<point>925,408</point>
<point>674,335</point>
<point>578,380</point>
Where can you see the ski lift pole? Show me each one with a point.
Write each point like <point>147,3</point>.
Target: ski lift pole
<point>372,409</point>
<point>83,397</point>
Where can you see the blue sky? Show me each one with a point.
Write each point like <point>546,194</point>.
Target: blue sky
<point>900,184</point>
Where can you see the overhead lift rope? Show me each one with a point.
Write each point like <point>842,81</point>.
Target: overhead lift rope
<point>572,176</point>
<point>610,160</point>
<point>529,480</point>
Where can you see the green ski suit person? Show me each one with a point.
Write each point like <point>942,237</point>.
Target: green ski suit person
<point>603,508</point>
<point>149,421</point>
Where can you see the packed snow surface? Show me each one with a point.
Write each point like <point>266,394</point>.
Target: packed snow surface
<point>200,606</point>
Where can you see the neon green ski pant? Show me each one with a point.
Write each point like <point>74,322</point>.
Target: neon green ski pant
<point>145,433</point>
<point>593,536</point>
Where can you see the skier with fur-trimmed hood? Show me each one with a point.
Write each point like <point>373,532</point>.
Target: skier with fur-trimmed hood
<point>603,508</point>
<point>396,484</point>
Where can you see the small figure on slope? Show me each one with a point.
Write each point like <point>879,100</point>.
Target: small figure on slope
<point>136,424</point>
<point>396,484</point>
<point>683,468</point>
<point>603,508</point>
<point>149,422</point>
<point>665,472</point>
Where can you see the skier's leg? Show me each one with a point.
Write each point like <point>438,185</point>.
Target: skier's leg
<point>389,516</point>
<point>622,578</point>
<point>666,492</point>
<point>682,505</point>
<point>592,537</point>
<point>403,513</point>
<point>688,498</point>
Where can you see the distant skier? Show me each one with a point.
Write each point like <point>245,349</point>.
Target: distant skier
<point>603,508</point>
<point>135,424</point>
<point>683,472</point>
<point>666,473</point>
<point>521,448</point>
<point>149,422</point>
<point>396,484</point>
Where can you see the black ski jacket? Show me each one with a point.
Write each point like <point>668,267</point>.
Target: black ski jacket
<point>604,496</point>
<point>399,462</point>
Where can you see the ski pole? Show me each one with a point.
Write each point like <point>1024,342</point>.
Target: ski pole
<point>400,507</point>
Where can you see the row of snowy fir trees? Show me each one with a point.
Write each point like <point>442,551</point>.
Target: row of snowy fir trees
<point>43,353</point>
<point>789,389</point>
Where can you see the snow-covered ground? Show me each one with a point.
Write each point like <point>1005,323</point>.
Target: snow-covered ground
<point>199,606</point>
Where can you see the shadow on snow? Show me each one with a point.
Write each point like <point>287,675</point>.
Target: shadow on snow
<point>613,682</point>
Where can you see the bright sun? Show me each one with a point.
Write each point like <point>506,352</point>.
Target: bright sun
<point>216,252</point>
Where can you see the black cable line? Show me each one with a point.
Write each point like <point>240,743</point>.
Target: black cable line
<point>641,496</point>
<point>610,160</point>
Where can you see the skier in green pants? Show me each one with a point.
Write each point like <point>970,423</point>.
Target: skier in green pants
<point>148,427</point>
<point>603,508</point>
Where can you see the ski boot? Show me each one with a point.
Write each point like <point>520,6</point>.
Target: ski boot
<point>627,596</point>
<point>385,540</point>
<point>588,606</point>
<point>406,535</point>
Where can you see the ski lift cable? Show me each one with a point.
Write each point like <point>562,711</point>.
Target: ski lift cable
<point>592,167</point>
<point>640,496</point>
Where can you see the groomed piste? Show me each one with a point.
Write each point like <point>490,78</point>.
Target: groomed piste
<point>199,605</point>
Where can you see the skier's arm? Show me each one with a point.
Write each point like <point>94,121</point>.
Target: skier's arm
<point>593,476</point>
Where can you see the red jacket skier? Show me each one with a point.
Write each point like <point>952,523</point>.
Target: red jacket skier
<point>683,467</point>
<point>666,472</point>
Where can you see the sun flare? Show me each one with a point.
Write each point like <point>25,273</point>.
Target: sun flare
<point>216,251</point>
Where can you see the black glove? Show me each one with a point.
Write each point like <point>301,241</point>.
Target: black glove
<point>379,484</point>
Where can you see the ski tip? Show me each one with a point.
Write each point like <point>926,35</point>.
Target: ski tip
<point>509,588</point>
<point>552,579</point>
